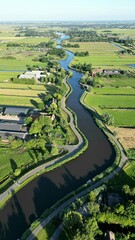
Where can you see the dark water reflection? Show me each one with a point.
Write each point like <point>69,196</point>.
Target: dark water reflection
<point>40,194</point>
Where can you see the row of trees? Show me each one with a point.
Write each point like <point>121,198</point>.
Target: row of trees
<point>82,54</point>
<point>83,67</point>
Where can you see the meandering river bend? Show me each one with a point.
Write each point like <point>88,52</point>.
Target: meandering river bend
<point>44,191</point>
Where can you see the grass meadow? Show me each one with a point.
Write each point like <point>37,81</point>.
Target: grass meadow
<point>8,154</point>
<point>17,100</point>
<point>103,55</point>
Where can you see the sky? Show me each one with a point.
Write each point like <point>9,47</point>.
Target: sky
<point>66,10</point>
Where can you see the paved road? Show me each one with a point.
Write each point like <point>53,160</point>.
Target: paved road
<point>72,149</point>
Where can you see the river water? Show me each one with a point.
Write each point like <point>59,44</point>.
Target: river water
<point>44,191</point>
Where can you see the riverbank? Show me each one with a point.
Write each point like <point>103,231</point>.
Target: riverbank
<point>44,191</point>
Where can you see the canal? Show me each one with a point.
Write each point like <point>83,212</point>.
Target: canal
<point>44,191</point>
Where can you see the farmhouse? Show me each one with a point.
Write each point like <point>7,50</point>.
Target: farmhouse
<point>111,71</point>
<point>37,75</point>
<point>96,71</point>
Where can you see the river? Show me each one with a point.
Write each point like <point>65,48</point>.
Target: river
<point>44,191</point>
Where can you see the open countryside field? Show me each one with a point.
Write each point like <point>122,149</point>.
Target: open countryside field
<point>9,85</point>
<point>118,82</point>
<point>123,117</point>
<point>17,100</point>
<point>13,92</point>
<point>126,176</point>
<point>122,33</point>
<point>32,40</point>
<point>9,155</point>
<point>125,135</point>
<point>5,76</point>
<point>103,55</point>
<point>112,90</point>
<point>111,101</point>
<point>111,104</point>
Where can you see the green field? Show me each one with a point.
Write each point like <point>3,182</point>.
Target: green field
<point>111,104</point>
<point>17,100</point>
<point>110,101</point>
<point>32,40</point>
<point>126,176</point>
<point>118,82</point>
<point>5,76</point>
<point>123,117</point>
<point>102,54</point>
<point>7,154</point>
<point>112,90</point>
<point>19,92</point>
<point>22,86</point>
<point>123,33</point>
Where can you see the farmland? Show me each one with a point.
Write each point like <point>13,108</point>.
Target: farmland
<point>103,55</point>
<point>116,83</point>
<point>17,100</point>
<point>8,155</point>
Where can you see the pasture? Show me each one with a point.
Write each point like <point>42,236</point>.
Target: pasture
<point>9,155</point>
<point>115,102</point>
<point>18,100</point>
<point>19,92</point>
<point>9,85</point>
<point>110,101</point>
<point>103,55</point>
<point>118,82</point>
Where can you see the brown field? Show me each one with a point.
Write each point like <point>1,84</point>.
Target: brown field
<point>126,136</point>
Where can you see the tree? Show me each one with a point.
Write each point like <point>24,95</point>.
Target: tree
<point>107,118</point>
<point>28,120</point>
<point>35,128</point>
<point>72,220</point>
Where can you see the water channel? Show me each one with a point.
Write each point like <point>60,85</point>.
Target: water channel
<point>44,191</point>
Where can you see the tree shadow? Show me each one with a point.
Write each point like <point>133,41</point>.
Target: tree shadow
<point>13,165</point>
<point>34,103</point>
<point>13,221</point>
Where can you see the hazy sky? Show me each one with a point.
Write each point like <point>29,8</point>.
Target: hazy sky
<point>67,10</point>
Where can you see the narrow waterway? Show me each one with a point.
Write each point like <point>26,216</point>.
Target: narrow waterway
<point>30,202</point>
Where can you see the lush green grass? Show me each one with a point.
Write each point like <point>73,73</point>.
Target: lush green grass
<point>19,92</point>
<point>123,33</point>
<point>117,82</point>
<point>17,100</point>
<point>10,85</point>
<point>7,154</point>
<point>123,117</point>
<point>19,63</point>
<point>126,176</point>
<point>103,54</point>
<point>112,90</point>
<point>107,61</point>
<point>7,75</point>
<point>110,101</point>
<point>95,48</point>
<point>32,40</point>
